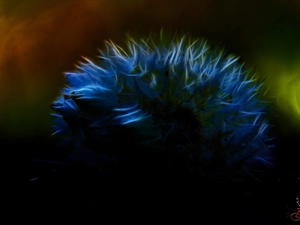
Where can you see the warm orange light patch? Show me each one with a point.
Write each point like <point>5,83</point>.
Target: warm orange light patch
<point>38,43</point>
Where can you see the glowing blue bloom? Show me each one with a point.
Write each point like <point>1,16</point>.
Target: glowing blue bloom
<point>176,96</point>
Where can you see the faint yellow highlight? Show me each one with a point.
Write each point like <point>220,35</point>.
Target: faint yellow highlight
<point>283,85</point>
<point>288,95</point>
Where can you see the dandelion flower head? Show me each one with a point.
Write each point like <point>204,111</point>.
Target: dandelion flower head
<point>176,95</point>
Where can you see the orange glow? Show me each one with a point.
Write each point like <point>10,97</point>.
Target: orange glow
<point>39,40</point>
<point>36,46</point>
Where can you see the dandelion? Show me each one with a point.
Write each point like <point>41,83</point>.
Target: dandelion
<point>179,96</point>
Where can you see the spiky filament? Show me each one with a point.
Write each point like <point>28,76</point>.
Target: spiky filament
<point>177,93</point>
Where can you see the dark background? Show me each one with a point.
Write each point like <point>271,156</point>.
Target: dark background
<point>39,41</point>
